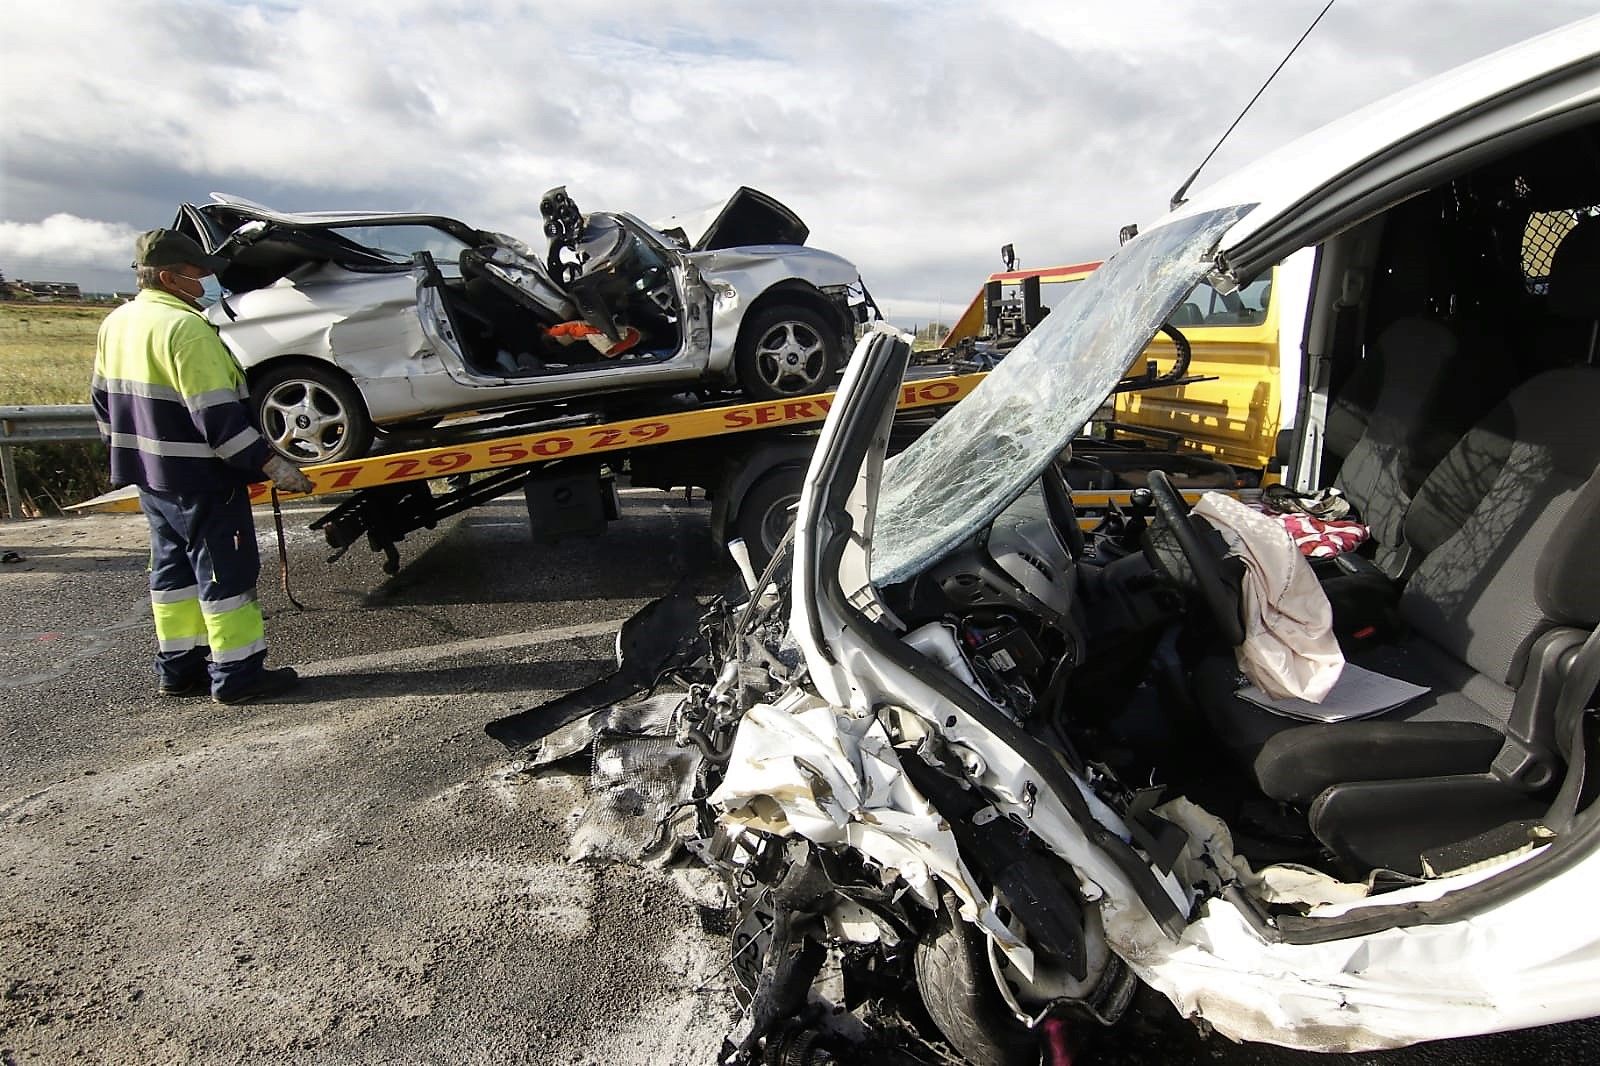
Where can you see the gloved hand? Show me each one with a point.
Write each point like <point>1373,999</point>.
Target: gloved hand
<point>286,476</point>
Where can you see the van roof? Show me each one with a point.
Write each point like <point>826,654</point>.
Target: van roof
<point>1549,78</point>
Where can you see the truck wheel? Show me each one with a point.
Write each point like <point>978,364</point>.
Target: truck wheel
<point>311,414</point>
<point>958,991</point>
<point>766,513</point>
<point>787,351</point>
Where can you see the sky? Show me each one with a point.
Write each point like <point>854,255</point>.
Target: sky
<point>914,137</point>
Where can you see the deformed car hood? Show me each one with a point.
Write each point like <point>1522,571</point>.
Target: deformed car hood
<point>748,218</point>
<point>977,460</point>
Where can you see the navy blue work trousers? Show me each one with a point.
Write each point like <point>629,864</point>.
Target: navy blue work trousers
<point>203,570</point>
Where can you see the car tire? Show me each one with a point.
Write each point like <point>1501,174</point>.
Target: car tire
<point>958,992</point>
<point>787,350</point>
<point>311,414</point>
<point>765,513</point>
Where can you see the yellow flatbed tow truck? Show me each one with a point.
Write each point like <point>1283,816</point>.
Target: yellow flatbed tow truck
<point>749,457</point>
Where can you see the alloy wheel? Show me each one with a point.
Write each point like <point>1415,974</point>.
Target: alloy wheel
<point>304,420</point>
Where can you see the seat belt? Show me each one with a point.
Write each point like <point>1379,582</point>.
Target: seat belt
<point>1325,376</point>
<point>1581,681</point>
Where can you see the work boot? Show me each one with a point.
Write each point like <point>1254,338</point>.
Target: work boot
<point>267,684</point>
<point>197,685</point>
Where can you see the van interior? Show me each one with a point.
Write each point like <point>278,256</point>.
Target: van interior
<point>1452,392</point>
<point>1457,365</point>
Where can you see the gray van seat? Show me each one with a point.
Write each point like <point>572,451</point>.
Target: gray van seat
<point>1502,599</point>
<point>1432,387</point>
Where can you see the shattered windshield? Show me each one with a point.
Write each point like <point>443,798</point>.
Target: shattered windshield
<point>975,461</point>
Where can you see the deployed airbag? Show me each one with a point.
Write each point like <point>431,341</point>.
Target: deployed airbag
<point>1289,649</point>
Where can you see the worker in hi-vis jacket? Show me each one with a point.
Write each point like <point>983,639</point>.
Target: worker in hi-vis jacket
<point>170,400</point>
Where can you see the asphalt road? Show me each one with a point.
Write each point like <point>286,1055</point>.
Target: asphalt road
<point>357,875</point>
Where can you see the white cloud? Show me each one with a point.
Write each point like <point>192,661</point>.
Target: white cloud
<point>64,240</point>
<point>915,138</point>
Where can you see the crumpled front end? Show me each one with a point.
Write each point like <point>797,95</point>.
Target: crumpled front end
<point>832,836</point>
<point>802,768</point>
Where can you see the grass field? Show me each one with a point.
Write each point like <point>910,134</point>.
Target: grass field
<point>47,352</point>
<point>47,356</point>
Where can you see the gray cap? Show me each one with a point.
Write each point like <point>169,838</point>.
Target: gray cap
<point>165,247</point>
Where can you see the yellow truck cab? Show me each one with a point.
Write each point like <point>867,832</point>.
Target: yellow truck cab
<point>1240,391</point>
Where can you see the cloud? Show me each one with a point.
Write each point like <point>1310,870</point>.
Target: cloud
<point>915,138</point>
<point>65,241</point>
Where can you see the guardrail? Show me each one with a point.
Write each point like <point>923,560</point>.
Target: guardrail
<point>39,424</point>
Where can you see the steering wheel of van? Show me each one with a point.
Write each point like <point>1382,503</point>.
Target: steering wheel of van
<point>1204,560</point>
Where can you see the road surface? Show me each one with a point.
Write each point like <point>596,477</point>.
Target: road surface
<point>358,875</point>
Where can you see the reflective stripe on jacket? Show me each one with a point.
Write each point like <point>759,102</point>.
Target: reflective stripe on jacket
<point>170,400</point>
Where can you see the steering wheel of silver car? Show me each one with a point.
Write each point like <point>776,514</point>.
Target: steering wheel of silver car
<point>305,420</point>
<point>1204,563</point>
<point>791,357</point>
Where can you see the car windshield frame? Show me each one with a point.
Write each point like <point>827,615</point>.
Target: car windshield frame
<point>352,232</point>
<point>977,460</point>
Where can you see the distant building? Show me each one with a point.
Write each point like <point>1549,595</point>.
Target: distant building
<point>47,291</point>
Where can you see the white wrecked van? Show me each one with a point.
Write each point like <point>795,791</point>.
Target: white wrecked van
<point>961,755</point>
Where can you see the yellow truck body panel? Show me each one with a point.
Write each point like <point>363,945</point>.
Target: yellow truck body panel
<point>1234,417</point>
<point>1237,340</point>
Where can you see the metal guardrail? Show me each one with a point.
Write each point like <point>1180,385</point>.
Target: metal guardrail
<point>39,424</point>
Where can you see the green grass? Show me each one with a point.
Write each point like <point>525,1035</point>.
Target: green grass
<point>47,352</point>
<point>47,356</point>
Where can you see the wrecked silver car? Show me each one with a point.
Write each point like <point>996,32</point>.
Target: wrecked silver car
<point>970,776</point>
<point>349,324</point>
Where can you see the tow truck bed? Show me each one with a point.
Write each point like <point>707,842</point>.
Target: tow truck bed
<point>751,451</point>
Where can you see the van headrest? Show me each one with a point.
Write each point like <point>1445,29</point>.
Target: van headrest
<point>1575,272</point>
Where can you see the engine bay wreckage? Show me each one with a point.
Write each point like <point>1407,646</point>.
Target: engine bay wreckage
<point>967,777</point>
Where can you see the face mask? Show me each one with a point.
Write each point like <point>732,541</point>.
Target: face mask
<point>210,290</point>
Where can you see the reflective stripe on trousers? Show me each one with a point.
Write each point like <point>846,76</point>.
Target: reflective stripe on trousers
<point>203,570</point>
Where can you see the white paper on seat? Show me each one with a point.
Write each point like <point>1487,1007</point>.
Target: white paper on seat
<point>1357,694</point>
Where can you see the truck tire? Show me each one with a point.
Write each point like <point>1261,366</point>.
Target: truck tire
<point>957,989</point>
<point>765,513</point>
<point>787,350</point>
<point>311,414</point>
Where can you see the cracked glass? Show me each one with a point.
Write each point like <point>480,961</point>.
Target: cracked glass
<point>979,458</point>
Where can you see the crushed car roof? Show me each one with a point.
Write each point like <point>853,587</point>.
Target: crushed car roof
<point>318,218</point>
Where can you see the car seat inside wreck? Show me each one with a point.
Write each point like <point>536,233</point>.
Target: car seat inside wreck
<point>602,293</point>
